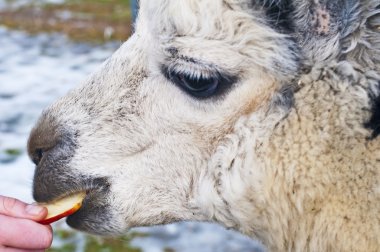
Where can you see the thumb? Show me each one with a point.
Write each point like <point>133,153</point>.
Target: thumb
<point>18,209</point>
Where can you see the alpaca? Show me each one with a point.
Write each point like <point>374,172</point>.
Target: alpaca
<point>263,116</point>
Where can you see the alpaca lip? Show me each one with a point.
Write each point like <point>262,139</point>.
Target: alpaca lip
<point>54,185</point>
<point>94,212</point>
<point>92,194</point>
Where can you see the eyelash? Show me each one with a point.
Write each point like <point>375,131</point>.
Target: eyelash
<point>199,85</point>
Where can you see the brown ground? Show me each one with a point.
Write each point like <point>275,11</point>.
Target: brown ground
<point>82,20</point>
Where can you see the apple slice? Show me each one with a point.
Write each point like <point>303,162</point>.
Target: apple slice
<point>62,207</point>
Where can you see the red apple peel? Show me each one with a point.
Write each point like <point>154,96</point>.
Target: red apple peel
<point>62,207</point>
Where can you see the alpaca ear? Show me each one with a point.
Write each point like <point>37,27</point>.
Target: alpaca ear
<point>319,25</point>
<point>314,17</point>
<point>324,18</point>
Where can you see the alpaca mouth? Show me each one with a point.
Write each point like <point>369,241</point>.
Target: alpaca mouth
<point>94,212</point>
<point>94,205</point>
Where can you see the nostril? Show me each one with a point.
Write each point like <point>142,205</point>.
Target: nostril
<point>37,156</point>
<point>50,142</point>
<point>43,138</point>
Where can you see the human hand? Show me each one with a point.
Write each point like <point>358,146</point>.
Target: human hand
<point>19,230</point>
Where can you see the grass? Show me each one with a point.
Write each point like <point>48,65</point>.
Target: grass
<point>9,155</point>
<point>13,152</point>
<point>95,21</point>
<point>68,240</point>
<point>107,244</point>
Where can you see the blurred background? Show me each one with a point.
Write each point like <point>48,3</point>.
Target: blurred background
<point>48,47</point>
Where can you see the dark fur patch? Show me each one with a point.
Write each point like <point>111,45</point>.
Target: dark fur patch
<point>374,122</point>
<point>285,97</point>
<point>278,13</point>
<point>51,147</point>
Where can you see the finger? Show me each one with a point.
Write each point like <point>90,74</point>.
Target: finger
<point>16,208</point>
<point>20,250</point>
<point>24,234</point>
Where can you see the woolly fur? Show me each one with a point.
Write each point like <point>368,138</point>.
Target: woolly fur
<point>288,154</point>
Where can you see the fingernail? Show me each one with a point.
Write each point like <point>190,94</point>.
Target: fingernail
<point>34,210</point>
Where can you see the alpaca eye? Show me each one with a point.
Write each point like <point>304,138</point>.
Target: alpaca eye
<point>201,87</point>
<point>200,83</point>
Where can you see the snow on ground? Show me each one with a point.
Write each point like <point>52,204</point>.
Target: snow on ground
<point>12,4</point>
<point>35,71</point>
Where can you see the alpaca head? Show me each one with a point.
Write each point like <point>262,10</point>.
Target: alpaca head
<point>140,133</point>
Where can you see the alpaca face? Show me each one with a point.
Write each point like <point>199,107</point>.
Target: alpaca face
<point>140,132</point>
